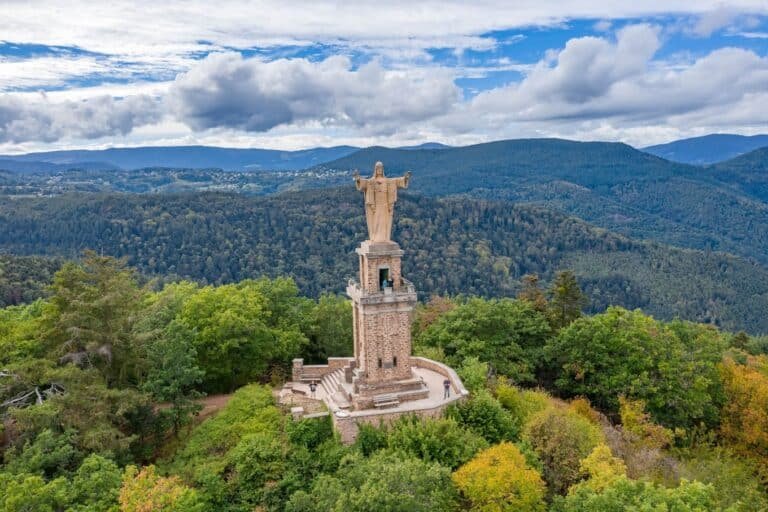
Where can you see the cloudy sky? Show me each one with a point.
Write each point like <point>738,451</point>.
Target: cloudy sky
<point>289,74</point>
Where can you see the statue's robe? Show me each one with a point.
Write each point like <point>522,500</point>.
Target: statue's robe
<point>380,198</point>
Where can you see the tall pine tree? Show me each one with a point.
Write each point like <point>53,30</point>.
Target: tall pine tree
<point>566,300</point>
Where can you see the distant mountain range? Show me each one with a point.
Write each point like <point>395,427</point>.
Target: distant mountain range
<point>22,165</point>
<point>698,151</point>
<point>196,157</point>
<point>708,149</point>
<point>191,157</point>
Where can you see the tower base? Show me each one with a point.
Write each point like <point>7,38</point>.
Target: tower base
<point>349,407</point>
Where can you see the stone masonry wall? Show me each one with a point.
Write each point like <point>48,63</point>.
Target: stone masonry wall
<point>348,428</point>
<point>387,336</point>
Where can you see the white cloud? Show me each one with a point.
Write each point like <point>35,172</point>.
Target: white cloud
<point>603,25</point>
<point>714,20</point>
<point>42,120</point>
<point>597,86</point>
<point>46,71</point>
<point>754,35</point>
<point>227,90</point>
<point>589,66</point>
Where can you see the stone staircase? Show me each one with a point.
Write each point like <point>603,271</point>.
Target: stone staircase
<point>332,387</point>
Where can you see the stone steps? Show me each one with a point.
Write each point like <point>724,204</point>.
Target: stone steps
<point>341,400</point>
<point>333,389</point>
<point>327,386</point>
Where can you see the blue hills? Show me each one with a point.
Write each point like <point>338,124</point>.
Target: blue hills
<point>709,149</point>
<point>187,157</point>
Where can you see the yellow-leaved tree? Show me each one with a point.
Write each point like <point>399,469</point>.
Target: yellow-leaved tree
<point>146,491</point>
<point>601,468</point>
<point>745,413</point>
<point>498,480</point>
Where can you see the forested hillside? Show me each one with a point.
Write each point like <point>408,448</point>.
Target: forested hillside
<point>452,246</point>
<point>611,185</point>
<point>747,173</point>
<point>25,278</point>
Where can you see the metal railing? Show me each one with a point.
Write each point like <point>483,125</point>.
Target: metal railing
<point>405,286</point>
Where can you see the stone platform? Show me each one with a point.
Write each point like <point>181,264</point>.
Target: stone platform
<point>349,409</point>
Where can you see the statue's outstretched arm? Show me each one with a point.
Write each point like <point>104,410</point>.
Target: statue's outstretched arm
<point>360,183</point>
<point>405,179</point>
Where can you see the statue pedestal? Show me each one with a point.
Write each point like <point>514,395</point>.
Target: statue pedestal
<point>381,314</point>
<point>379,260</point>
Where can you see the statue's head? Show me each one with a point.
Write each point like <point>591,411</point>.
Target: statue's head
<point>378,170</point>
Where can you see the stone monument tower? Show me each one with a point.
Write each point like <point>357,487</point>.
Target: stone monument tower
<point>383,299</point>
<point>383,381</point>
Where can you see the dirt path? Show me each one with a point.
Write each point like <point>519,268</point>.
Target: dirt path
<point>212,404</point>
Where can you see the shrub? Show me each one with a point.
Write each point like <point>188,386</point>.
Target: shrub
<point>485,416</point>
<point>522,404</point>
<point>561,438</point>
<point>144,490</point>
<point>435,440</point>
<point>498,479</point>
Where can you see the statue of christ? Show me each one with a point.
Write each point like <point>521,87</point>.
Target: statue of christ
<point>380,196</point>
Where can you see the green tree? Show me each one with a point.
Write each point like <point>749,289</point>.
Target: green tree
<point>740,340</point>
<point>228,455</point>
<point>507,334</point>
<point>19,332</point>
<point>521,403</point>
<point>331,330</point>
<point>98,418</point>
<point>258,459</point>
<point>673,368</point>
<point>385,482</point>
<point>310,432</point>
<point>173,374</point>
<point>485,416</point>
<point>426,314</point>
<point>236,334</point>
<point>735,479</point>
<point>625,495</point>
<point>566,300</point>
<point>49,455</point>
<point>473,373</point>
<point>161,308</point>
<point>435,440</point>
<point>90,316</point>
<point>95,486</point>
<point>27,493</point>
